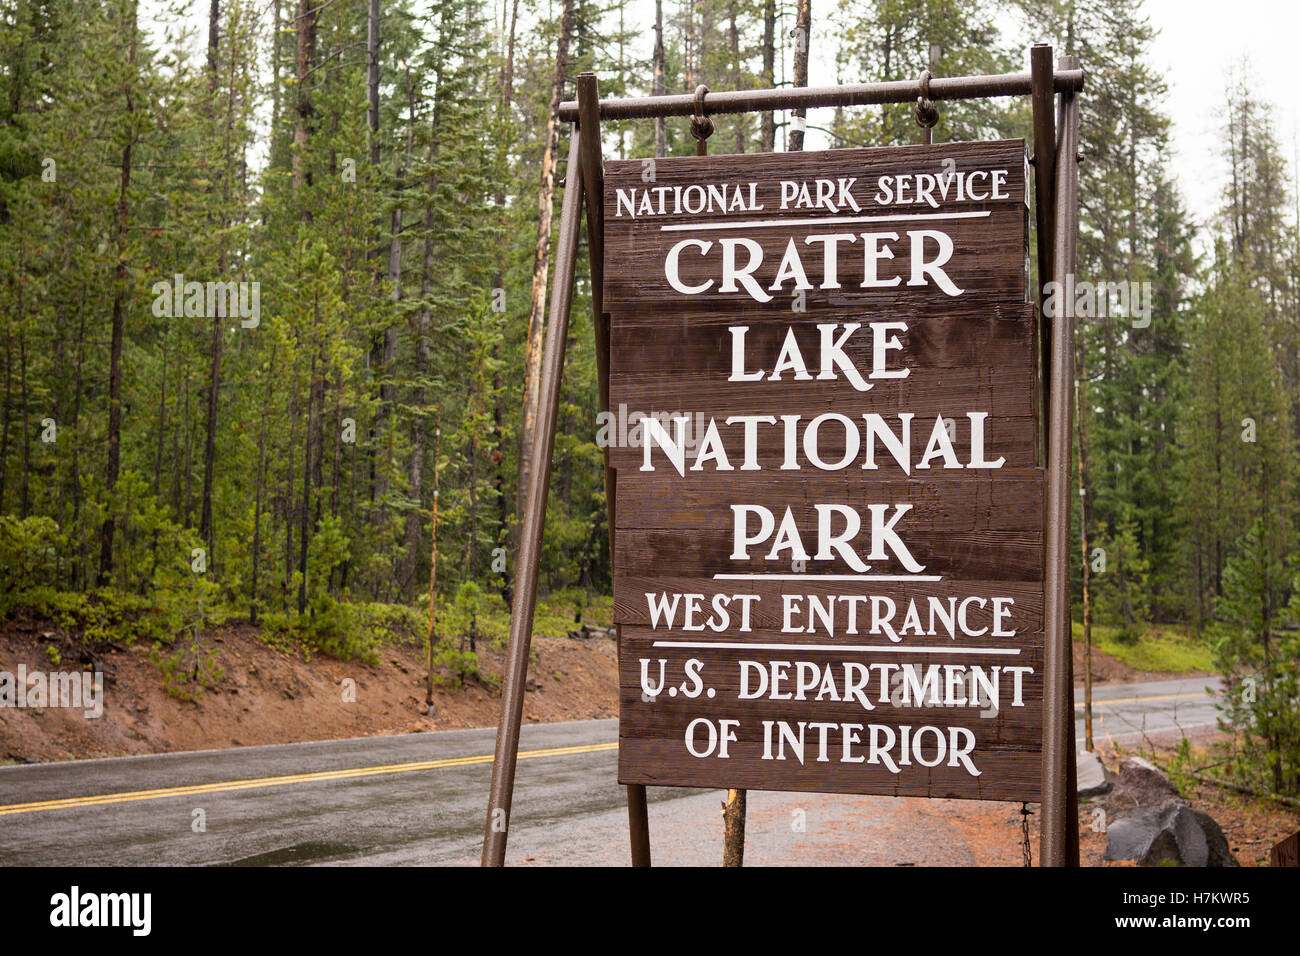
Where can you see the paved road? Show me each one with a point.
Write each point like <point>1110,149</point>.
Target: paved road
<point>420,799</point>
<point>1125,712</point>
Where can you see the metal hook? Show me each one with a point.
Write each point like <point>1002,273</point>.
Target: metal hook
<point>926,113</point>
<point>701,125</point>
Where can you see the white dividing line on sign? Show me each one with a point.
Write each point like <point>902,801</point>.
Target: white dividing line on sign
<point>850,648</point>
<point>833,220</point>
<point>759,576</point>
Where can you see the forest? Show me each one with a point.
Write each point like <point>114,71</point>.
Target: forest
<point>274,285</point>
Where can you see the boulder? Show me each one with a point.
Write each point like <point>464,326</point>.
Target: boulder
<point>1093,779</point>
<point>1141,785</point>
<point>1170,834</point>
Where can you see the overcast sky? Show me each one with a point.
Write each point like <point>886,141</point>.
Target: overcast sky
<point>1198,43</point>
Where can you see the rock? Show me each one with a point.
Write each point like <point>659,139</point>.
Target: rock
<point>1172,833</point>
<point>587,632</point>
<point>1141,784</point>
<point>1093,779</point>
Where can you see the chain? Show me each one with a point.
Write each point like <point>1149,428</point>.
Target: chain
<point>1025,814</point>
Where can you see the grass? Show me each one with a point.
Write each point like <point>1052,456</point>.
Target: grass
<point>1164,648</point>
<point>554,616</point>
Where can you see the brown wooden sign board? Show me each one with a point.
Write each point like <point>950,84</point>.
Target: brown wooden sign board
<point>829,532</point>
<point>1286,852</point>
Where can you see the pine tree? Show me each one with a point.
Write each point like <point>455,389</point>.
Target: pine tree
<point>886,40</point>
<point>1260,659</point>
<point>1237,455</point>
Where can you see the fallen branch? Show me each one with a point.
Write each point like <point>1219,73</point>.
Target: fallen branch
<point>1250,791</point>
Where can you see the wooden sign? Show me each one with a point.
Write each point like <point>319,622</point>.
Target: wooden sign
<point>829,557</point>
<point>1286,852</point>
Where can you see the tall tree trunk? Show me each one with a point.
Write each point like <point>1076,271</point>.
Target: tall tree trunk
<point>23,503</point>
<point>288,485</point>
<point>384,351</point>
<point>1266,618</point>
<point>318,402</point>
<point>379,349</point>
<point>214,38</point>
<point>372,79</point>
<point>162,423</point>
<point>4,418</point>
<point>336,476</point>
<point>733,32</point>
<point>471,537</point>
<point>158,450</point>
<point>275,76</point>
<point>113,465</point>
<point>767,130</point>
<point>81,569</point>
<point>206,531</point>
<point>189,456</point>
<point>564,476</point>
<point>206,526</point>
<point>541,260</point>
<point>304,519</point>
<point>257,494</point>
<point>508,71</point>
<point>498,412</point>
<point>691,45</point>
<point>803,39</point>
<point>659,88</point>
<point>306,56</point>
<point>176,448</point>
<point>415,464</point>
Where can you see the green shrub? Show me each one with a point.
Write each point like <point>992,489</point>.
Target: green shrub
<point>1162,649</point>
<point>395,623</point>
<point>188,668</point>
<point>29,556</point>
<point>1122,592</point>
<point>103,615</point>
<point>457,664</point>
<point>1257,650</point>
<point>329,627</point>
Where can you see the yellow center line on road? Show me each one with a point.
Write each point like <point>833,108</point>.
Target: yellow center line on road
<point>324,775</point>
<point>1099,702</point>
<point>258,782</point>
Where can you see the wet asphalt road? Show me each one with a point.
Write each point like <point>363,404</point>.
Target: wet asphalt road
<point>420,799</point>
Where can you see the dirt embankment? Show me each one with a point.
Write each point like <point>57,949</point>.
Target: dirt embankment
<point>267,695</point>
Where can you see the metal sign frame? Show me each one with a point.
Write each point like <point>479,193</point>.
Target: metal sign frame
<point>1055,164</point>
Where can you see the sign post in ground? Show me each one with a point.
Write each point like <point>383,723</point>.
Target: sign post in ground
<point>838,532</point>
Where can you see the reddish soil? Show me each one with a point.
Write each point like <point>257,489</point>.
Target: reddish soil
<point>991,832</point>
<point>267,695</point>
